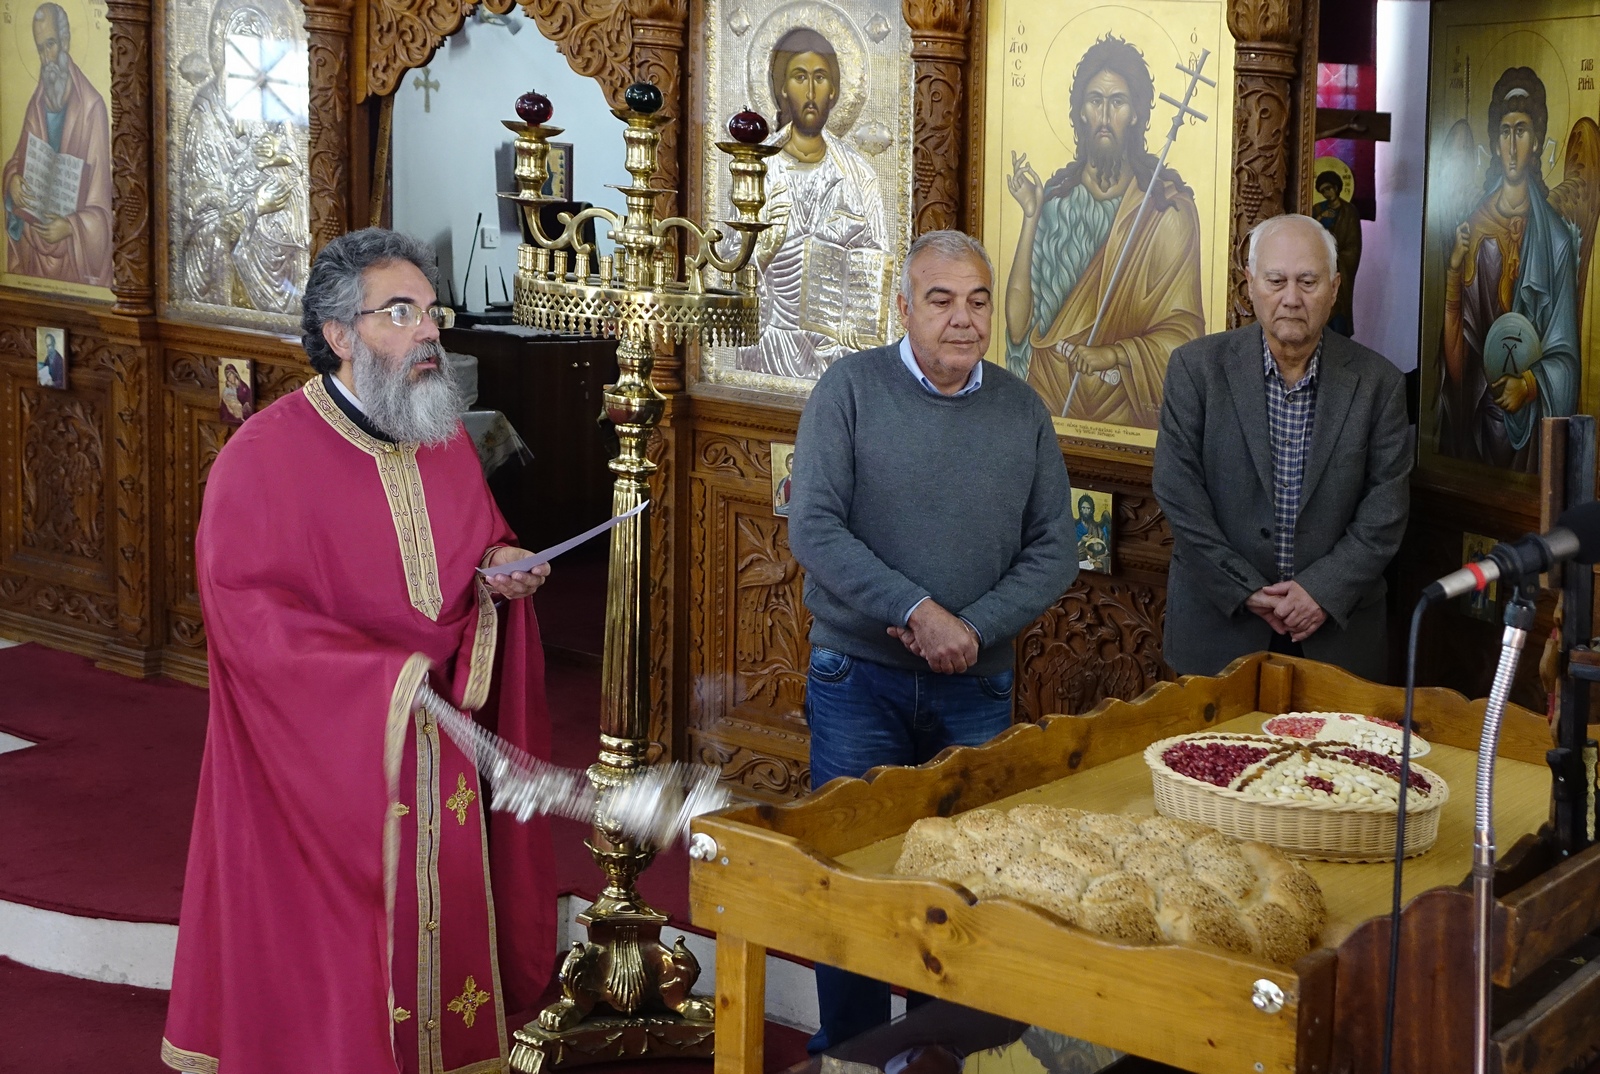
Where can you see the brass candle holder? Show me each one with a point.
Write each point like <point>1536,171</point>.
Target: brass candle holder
<point>623,993</point>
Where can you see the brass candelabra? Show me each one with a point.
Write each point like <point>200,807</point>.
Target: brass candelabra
<point>624,994</point>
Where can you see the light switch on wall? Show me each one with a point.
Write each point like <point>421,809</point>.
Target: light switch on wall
<point>489,237</point>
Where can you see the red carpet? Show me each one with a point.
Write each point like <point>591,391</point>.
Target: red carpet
<point>125,755</point>
<point>98,813</point>
<point>98,817</point>
<point>52,1022</point>
<point>55,1023</point>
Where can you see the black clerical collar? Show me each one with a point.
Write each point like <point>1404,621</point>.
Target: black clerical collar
<point>350,411</point>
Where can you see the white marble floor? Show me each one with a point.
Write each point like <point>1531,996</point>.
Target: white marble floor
<point>9,743</point>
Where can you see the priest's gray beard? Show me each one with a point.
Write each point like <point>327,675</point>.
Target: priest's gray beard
<point>426,411</point>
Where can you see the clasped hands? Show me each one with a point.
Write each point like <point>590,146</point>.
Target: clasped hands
<point>1288,609</point>
<point>517,583</point>
<point>944,640</point>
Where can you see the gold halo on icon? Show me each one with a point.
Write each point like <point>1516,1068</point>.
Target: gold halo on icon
<point>1066,49</point>
<point>78,22</point>
<point>849,45</point>
<point>1527,48</point>
<point>1333,164</point>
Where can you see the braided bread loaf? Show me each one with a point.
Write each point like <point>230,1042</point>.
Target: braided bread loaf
<point>1144,879</point>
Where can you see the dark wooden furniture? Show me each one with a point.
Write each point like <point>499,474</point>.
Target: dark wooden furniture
<point>551,388</point>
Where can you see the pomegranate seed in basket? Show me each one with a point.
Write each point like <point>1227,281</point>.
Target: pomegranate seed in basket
<point>1303,727</point>
<point>1217,763</point>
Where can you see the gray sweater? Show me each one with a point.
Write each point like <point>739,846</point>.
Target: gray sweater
<point>900,494</point>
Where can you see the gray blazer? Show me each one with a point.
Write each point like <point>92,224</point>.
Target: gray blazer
<point>1213,478</point>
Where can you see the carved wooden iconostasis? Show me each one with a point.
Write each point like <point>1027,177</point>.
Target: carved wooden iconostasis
<point>108,570</point>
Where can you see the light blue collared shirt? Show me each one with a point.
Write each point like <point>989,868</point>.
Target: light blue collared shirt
<point>974,379</point>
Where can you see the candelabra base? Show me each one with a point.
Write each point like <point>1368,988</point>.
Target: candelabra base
<point>624,995</point>
<point>610,1039</point>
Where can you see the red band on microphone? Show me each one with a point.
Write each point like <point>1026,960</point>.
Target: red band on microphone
<point>1477,572</point>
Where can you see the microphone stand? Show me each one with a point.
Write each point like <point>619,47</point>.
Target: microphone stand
<point>1519,620</point>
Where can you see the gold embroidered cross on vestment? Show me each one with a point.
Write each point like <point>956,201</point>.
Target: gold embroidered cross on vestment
<point>460,800</point>
<point>468,1002</point>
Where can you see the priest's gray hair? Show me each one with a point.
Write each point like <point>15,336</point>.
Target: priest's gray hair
<point>1274,224</point>
<point>63,25</point>
<point>334,292</point>
<point>949,243</point>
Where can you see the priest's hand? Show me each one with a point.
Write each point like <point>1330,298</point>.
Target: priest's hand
<point>946,642</point>
<point>517,583</point>
<point>1302,615</point>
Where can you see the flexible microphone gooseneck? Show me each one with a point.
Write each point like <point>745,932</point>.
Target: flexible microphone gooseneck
<point>1576,537</point>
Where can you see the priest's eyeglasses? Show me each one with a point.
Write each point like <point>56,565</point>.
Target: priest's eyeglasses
<point>409,314</point>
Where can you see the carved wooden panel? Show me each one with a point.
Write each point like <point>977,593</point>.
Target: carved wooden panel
<point>939,52</point>
<point>58,464</point>
<point>328,48</point>
<point>755,769</point>
<point>748,668</point>
<point>131,56</point>
<point>402,34</point>
<point>63,509</point>
<point>1102,639</point>
<point>194,435</point>
<point>595,36</point>
<point>1265,163</point>
<point>129,366</point>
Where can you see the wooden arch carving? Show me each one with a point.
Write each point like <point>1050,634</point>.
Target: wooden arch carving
<point>617,42</point>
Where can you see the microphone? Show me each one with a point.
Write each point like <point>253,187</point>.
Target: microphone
<point>1576,536</point>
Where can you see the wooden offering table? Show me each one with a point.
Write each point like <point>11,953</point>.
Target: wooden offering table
<point>815,879</point>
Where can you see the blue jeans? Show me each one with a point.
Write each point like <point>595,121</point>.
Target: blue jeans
<point>862,715</point>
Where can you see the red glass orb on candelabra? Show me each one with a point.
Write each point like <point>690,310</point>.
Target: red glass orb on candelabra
<point>747,127</point>
<point>534,107</point>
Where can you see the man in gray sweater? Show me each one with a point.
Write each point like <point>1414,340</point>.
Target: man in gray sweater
<point>932,513</point>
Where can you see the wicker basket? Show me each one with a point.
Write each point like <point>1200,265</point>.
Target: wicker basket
<point>1318,830</point>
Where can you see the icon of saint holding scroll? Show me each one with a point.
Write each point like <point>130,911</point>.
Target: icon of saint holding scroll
<point>1070,314</point>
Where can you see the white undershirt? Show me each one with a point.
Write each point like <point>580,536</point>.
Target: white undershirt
<point>348,394</point>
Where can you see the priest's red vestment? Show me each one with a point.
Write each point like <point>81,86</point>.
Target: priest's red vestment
<point>338,914</point>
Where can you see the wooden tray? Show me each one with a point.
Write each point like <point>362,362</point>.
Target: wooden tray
<point>813,879</point>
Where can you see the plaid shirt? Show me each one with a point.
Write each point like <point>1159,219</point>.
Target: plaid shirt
<point>1290,413</point>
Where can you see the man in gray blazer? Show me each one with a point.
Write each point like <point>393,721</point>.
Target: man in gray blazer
<point>1283,466</point>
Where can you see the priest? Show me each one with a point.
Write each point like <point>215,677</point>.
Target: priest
<point>348,905</point>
